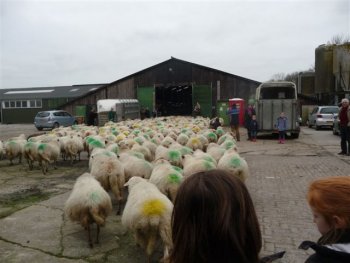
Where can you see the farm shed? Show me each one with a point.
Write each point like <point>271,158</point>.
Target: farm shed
<point>172,87</point>
<point>22,104</point>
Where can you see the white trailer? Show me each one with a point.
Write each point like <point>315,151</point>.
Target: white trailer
<point>271,99</point>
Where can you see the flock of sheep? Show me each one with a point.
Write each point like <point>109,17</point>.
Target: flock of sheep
<point>151,157</point>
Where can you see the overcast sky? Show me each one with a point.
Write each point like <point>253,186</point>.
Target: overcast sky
<point>53,43</point>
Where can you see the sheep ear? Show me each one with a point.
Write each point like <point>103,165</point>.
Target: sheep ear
<point>126,184</point>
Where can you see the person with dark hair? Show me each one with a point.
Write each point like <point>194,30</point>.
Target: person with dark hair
<point>215,123</point>
<point>249,112</point>
<point>92,117</point>
<point>344,125</point>
<point>329,201</point>
<point>214,220</point>
<point>234,121</point>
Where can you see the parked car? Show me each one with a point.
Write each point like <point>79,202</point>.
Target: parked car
<point>53,119</point>
<point>336,130</point>
<point>322,116</point>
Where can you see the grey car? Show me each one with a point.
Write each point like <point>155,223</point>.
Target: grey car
<point>322,116</point>
<point>53,119</point>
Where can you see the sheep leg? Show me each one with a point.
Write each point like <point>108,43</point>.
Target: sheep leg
<point>113,182</point>
<point>151,242</point>
<point>89,236</point>
<point>97,234</point>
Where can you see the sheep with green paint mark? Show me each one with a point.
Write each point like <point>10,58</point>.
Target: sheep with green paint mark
<point>193,165</point>
<point>30,153</point>
<point>144,150</point>
<point>198,154</point>
<point>134,166</point>
<point>14,148</point>
<point>147,214</point>
<point>232,162</point>
<point>48,153</point>
<point>166,178</point>
<point>88,203</point>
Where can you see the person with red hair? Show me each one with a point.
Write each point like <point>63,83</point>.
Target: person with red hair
<point>329,200</point>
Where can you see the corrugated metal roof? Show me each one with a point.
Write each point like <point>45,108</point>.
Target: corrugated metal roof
<point>48,92</point>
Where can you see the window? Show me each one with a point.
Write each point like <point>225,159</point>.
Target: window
<point>18,104</point>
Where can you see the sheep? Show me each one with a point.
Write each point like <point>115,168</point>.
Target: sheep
<point>73,146</point>
<point>2,150</point>
<point>134,166</point>
<point>216,151</point>
<point>194,143</point>
<point>109,171</point>
<point>148,214</point>
<point>30,153</point>
<point>113,147</point>
<point>198,154</point>
<point>48,152</point>
<point>144,150</point>
<point>193,165</point>
<point>236,165</point>
<point>182,139</point>
<point>166,178</point>
<point>174,156</point>
<point>88,203</point>
<point>14,148</point>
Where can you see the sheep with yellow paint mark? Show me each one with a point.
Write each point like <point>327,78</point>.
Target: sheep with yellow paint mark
<point>148,214</point>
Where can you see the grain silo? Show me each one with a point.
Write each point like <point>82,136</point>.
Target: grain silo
<point>324,78</point>
<point>341,70</point>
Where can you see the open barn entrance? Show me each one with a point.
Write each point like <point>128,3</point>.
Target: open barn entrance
<point>174,100</point>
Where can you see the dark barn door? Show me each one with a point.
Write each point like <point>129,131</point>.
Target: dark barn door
<point>202,94</point>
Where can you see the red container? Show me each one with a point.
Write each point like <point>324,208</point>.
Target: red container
<point>240,105</point>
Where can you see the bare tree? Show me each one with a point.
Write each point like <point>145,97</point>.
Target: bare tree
<point>278,76</point>
<point>293,77</point>
<point>338,40</point>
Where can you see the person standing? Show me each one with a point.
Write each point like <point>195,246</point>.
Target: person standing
<point>249,112</point>
<point>197,110</point>
<point>281,126</point>
<point>111,115</point>
<point>234,121</point>
<point>92,117</point>
<point>344,127</point>
<point>254,127</point>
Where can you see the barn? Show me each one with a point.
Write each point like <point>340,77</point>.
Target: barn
<point>22,104</point>
<point>173,87</point>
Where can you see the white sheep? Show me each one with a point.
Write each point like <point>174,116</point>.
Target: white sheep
<point>109,171</point>
<point>73,146</point>
<point>194,143</point>
<point>134,166</point>
<point>48,152</point>
<point>192,165</point>
<point>88,203</point>
<point>148,214</point>
<point>233,163</point>
<point>14,148</point>
<point>166,178</point>
<point>182,139</point>
<point>215,150</point>
<point>30,153</point>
